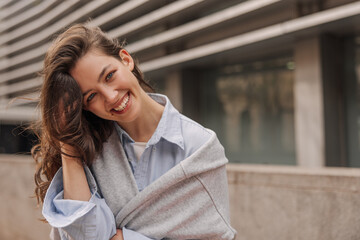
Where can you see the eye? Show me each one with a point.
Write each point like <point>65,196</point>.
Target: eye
<point>109,76</point>
<point>91,96</point>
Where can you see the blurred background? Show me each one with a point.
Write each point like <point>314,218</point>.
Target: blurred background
<point>277,80</point>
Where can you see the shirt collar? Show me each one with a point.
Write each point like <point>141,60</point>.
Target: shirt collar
<point>169,127</point>
<point>124,136</point>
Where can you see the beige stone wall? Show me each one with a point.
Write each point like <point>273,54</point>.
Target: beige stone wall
<point>267,202</point>
<point>292,203</point>
<point>18,210</point>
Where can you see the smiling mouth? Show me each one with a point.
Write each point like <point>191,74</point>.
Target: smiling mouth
<point>123,103</point>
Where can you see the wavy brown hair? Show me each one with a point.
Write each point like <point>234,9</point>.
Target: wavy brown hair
<point>61,98</point>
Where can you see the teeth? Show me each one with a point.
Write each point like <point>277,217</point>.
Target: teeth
<point>123,104</point>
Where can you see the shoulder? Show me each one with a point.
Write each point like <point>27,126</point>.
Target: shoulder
<point>194,134</point>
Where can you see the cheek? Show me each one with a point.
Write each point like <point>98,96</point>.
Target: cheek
<point>127,78</point>
<point>96,109</point>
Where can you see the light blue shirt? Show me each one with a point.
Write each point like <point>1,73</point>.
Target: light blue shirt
<point>175,138</point>
<point>166,147</point>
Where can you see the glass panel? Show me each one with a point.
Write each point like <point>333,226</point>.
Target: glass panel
<point>250,106</point>
<point>352,98</point>
<point>14,139</point>
<point>357,73</point>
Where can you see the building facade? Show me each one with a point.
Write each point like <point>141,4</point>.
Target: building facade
<point>277,80</point>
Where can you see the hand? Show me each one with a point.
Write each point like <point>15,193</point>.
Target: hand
<point>118,235</point>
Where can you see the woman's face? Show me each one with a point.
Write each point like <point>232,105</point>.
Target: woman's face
<point>109,88</point>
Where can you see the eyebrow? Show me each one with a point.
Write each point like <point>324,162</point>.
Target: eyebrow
<point>99,79</point>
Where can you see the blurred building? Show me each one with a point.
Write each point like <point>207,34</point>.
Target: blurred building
<point>278,80</point>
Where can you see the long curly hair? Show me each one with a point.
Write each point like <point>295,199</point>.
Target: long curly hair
<point>61,98</point>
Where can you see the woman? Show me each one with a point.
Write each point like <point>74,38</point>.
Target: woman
<point>121,163</point>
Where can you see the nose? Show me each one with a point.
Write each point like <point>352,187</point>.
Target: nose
<point>110,94</point>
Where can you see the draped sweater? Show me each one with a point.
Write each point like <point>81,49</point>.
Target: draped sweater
<point>190,201</point>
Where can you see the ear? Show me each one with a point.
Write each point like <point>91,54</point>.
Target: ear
<point>126,59</point>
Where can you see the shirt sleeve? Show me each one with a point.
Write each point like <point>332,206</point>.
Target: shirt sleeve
<point>74,219</point>
<point>132,235</point>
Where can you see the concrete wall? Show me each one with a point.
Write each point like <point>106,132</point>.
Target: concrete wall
<point>267,202</point>
<point>18,210</point>
<point>282,203</point>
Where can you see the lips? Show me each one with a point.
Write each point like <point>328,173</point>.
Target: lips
<point>122,105</point>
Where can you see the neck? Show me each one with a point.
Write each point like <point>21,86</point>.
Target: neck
<point>145,125</point>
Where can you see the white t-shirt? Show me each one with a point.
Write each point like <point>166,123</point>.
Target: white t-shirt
<point>139,148</point>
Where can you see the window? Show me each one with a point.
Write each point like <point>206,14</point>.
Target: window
<point>14,139</point>
<point>250,107</point>
<point>352,99</point>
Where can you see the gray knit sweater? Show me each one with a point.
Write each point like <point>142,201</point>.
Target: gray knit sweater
<point>190,201</point>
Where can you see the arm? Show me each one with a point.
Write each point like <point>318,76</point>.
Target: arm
<point>76,210</point>
<point>74,197</point>
<point>74,179</point>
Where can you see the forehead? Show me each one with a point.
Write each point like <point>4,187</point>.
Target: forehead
<point>90,65</point>
<point>91,58</point>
